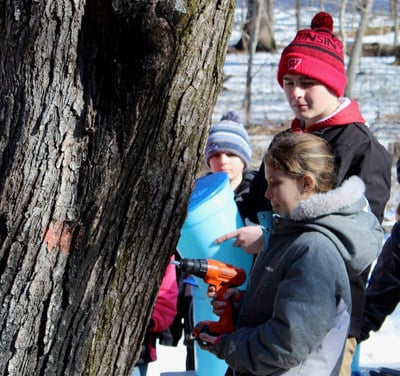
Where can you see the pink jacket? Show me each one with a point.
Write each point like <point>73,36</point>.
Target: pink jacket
<point>165,307</point>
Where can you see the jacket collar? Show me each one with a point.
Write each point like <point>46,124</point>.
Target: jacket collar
<point>348,112</point>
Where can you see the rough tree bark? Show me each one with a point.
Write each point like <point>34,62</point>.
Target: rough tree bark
<point>105,108</point>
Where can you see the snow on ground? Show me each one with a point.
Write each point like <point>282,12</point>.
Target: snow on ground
<point>382,348</point>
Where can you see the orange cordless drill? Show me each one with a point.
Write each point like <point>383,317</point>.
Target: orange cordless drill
<point>218,274</point>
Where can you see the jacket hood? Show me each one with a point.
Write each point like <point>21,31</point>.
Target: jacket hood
<point>344,216</point>
<point>321,204</point>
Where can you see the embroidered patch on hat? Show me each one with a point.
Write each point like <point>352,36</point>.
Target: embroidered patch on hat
<point>293,63</point>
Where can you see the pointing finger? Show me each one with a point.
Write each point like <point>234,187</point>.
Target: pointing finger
<point>227,236</point>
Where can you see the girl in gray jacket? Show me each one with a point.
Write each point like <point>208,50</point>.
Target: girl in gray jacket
<point>294,318</point>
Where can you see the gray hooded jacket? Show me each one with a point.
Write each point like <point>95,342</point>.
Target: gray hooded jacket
<point>295,316</point>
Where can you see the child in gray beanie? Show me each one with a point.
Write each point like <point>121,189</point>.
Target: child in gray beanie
<point>228,150</point>
<point>229,136</point>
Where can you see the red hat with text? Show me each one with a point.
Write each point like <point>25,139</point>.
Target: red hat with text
<point>316,53</point>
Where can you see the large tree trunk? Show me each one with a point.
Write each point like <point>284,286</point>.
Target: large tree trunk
<point>105,108</point>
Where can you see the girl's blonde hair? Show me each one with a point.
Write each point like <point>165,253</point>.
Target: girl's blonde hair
<point>297,154</point>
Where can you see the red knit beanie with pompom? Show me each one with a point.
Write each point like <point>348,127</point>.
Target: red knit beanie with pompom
<point>316,53</point>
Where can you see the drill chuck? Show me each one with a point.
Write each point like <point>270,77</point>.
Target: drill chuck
<point>197,267</point>
<point>213,272</point>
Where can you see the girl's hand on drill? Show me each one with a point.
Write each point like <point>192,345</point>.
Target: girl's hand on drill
<point>205,340</point>
<point>232,293</point>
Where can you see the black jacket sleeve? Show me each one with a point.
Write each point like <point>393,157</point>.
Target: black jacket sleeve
<point>383,292</point>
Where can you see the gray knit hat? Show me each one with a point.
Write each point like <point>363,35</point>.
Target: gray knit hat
<point>229,135</point>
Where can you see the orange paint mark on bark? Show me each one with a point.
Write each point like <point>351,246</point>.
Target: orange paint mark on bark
<point>59,236</point>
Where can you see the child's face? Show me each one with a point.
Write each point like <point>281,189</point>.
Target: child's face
<point>284,191</point>
<point>309,99</point>
<point>227,162</point>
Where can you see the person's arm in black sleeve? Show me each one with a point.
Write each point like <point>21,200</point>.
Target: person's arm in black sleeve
<point>383,292</point>
<point>376,170</point>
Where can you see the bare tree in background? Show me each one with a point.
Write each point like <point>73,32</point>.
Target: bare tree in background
<point>253,30</point>
<point>394,6</point>
<point>394,9</point>
<point>265,36</point>
<point>365,7</point>
<point>298,14</point>
<point>258,33</point>
<point>105,108</point>
<point>342,27</point>
<point>266,39</point>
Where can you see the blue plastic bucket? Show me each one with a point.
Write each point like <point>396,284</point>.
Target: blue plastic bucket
<point>355,365</point>
<point>212,212</point>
